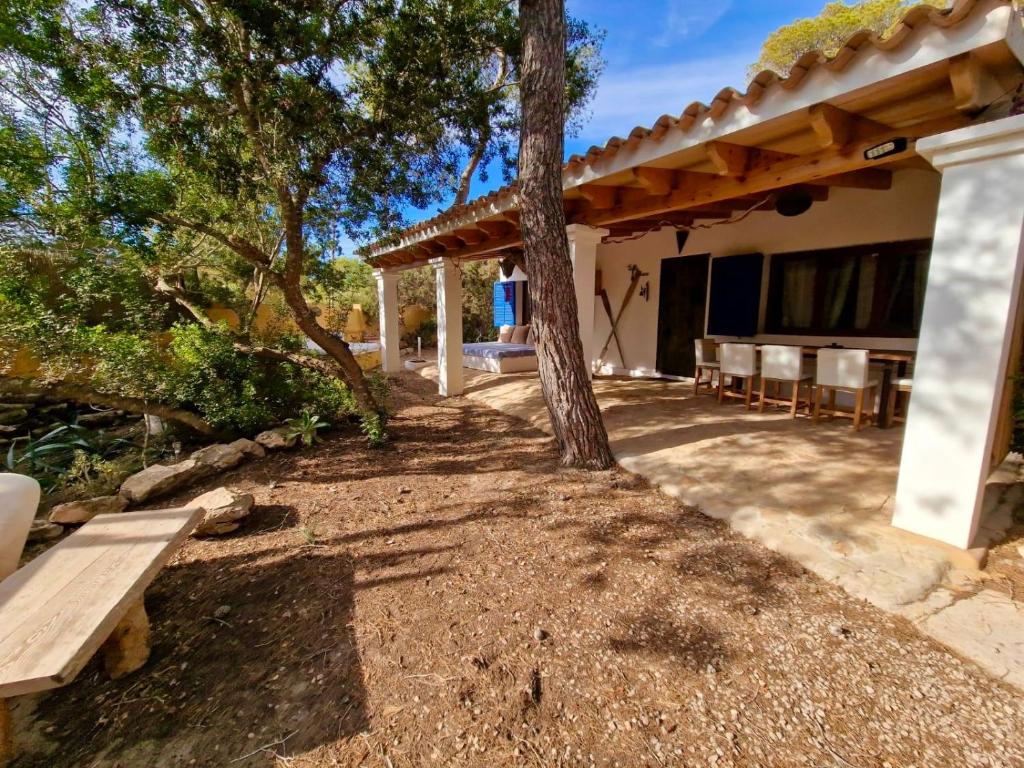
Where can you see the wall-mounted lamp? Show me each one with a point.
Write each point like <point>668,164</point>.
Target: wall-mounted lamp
<point>886,148</point>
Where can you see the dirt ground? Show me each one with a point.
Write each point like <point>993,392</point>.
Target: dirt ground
<point>458,599</point>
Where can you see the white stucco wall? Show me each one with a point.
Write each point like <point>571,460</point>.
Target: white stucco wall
<point>848,217</point>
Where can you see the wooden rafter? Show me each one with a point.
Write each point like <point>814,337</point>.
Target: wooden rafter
<point>654,181</point>
<point>494,228</point>
<point>974,86</point>
<point>598,196</point>
<point>728,159</point>
<point>470,236</point>
<point>805,169</point>
<point>450,242</point>
<point>835,127</point>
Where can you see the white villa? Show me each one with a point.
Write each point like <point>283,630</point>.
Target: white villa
<point>873,200</point>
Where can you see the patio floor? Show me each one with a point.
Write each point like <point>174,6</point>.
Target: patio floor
<point>821,494</point>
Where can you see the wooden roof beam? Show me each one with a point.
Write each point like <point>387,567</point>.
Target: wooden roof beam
<point>450,242</point>
<point>728,159</point>
<point>835,127</point>
<point>471,236</point>
<point>655,181</point>
<point>598,196</point>
<point>974,85</point>
<point>487,247</point>
<point>494,228</point>
<point>805,169</point>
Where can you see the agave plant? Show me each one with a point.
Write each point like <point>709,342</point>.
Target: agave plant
<point>50,457</point>
<point>306,426</point>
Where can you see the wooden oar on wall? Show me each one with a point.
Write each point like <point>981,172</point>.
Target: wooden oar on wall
<point>634,281</point>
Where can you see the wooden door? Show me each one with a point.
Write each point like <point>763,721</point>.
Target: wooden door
<point>681,309</point>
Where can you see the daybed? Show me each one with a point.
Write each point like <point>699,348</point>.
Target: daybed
<point>499,357</point>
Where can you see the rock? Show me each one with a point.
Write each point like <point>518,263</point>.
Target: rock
<point>162,478</point>
<point>13,416</point>
<point>76,512</point>
<point>44,530</point>
<point>222,611</point>
<point>98,419</point>
<point>250,448</point>
<point>220,456</point>
<point>275,439</point>
<point>839,630</point>
<point>225,510</point>
<point>540,635</point>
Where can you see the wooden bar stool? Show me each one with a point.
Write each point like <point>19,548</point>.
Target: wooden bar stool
<point>784,365</point>
<point>900,386</point>
<point>845,370</point>
<point>704,352</point>
<point>739,362</point>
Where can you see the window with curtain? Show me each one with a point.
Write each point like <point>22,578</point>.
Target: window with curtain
<point>864,290</point>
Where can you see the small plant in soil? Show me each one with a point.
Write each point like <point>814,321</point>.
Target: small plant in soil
<point>305,427</point>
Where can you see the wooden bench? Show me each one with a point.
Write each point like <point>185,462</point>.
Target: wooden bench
<point>80,595</point>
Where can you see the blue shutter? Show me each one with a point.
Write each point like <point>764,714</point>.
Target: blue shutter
<point>504,304</point>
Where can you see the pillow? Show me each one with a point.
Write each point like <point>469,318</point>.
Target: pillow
<point>520,333</point>
<point>505,334</point>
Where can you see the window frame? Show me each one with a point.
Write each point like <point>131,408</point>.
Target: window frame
<point>880,293</point>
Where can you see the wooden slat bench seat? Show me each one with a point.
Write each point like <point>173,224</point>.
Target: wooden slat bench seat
<point>80,595</point>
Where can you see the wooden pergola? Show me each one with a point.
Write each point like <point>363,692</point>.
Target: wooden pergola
<point>817,128</point>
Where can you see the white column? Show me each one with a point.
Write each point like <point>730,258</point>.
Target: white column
<point>974,281</point>
<point>583,242</point>
<point>449,326</point>
<point>387,299</point>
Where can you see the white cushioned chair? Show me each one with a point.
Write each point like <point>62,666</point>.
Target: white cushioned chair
<point>739,363</point>
<point>845,370</point>
<point>784,365</point>
<point>706,357</point>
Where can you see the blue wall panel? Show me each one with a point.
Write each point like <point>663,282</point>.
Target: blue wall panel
<point>504,304</point>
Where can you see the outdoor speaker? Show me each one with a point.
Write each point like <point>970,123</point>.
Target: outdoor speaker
<point>792,202</point>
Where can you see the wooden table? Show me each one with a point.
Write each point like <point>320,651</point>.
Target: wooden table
<point>893,362</point>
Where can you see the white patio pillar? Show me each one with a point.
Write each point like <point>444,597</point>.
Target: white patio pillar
<point>449,326</point>
<point>387,299</point>
<point>583,242</point>
<point>974,283</point>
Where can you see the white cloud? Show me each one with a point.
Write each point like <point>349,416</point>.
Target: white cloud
<point>689,18</point>
<point>640,95</point>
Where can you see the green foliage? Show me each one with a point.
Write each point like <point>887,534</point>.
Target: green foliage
<point>305,426</point>
<point>69,454</point>
<point>374,425</point>
<point>830,29</point>
<point>419,286</point>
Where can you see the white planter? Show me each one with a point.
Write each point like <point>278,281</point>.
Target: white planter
<point>19,498</point>
<point>415,365</point>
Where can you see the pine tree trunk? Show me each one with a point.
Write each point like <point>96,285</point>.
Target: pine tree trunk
<point>575,417</point>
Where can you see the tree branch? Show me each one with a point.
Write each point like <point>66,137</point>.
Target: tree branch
<point>64,391</point>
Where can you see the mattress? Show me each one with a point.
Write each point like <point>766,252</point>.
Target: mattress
<point>496,350</point>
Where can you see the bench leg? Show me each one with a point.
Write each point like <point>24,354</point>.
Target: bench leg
<point>127,648</point>
<point>6,734</point>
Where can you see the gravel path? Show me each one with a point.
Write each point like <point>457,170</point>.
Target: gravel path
<point>457,599</point>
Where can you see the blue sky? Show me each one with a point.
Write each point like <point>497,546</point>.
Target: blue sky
<point>660,55</point>
<point>663,54</point>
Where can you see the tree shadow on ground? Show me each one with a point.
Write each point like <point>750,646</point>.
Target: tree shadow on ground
<point>280,665</point>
